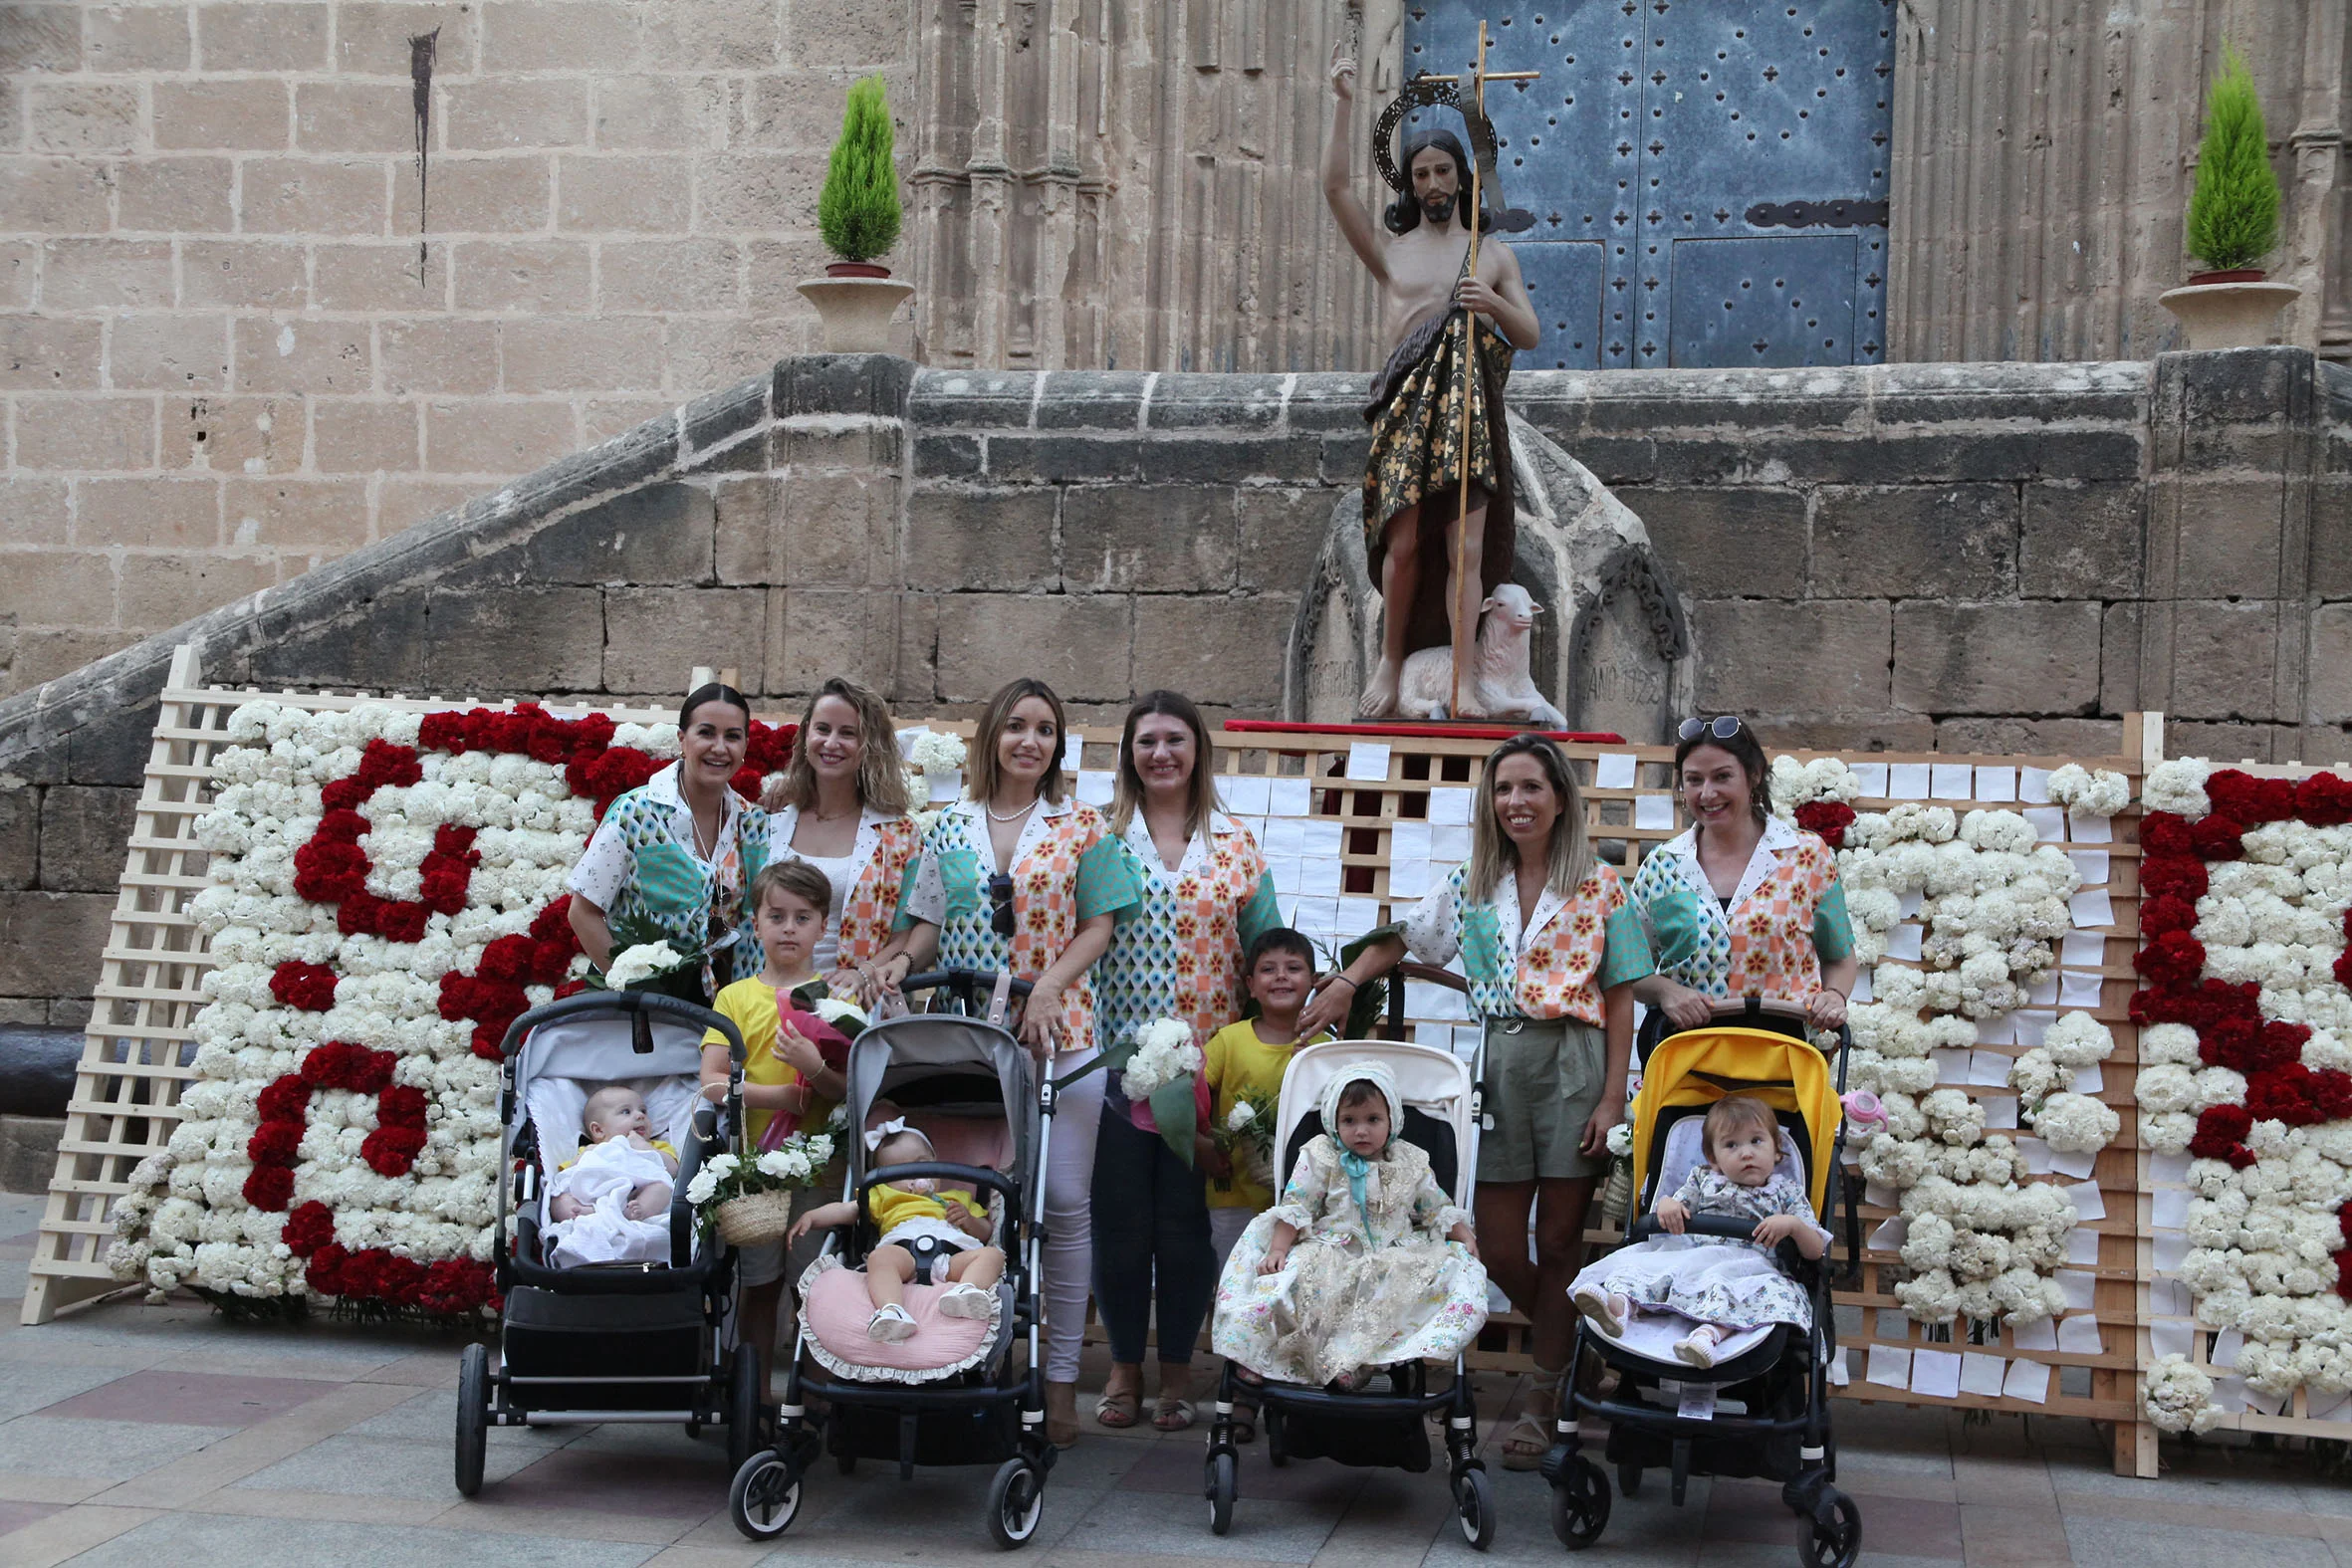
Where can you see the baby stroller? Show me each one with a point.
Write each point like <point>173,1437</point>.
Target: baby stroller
<point>633,1342</point>
<point>1441,1096</point>
<point>1767,1392</point>
<point>954,1395</point>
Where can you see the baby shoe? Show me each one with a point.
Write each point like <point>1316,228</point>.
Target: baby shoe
<point>890,1324</point>
<point>1594,1303</point>
<point>1697,1349</point>
<point>967,1301</point>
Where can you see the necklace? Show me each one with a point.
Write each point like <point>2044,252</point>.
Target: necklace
<point>1010,817</point>
<point>700,850</point>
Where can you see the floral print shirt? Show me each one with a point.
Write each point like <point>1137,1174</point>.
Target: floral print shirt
<point>645,872</point>
<point>1572,951</point>
<point>1066,869</point>
<point>1787,917</point>
<point>1181,956</point>
<point>863,913</point>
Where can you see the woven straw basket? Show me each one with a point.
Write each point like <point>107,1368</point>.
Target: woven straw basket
<point>1614,1197</point>
<point>756,1218</point>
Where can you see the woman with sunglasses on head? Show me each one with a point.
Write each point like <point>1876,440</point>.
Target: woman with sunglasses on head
<point>1743,903</point>
<point>1206,896</point>
<point>1553,953</point>
<point>1019,878</point>
<point>672,857</point>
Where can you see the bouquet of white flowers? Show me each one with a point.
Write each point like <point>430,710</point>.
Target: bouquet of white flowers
<point>642,964</point>
<point>1164,1052</point>
<point>748,1201</point>
<point>1246,1139</point>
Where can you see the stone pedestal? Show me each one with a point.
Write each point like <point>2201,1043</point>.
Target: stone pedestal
<point>857,311</point>
<point>2228,314</point>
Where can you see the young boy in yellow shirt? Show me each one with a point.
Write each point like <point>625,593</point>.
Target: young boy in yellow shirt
<point>1278,970</point>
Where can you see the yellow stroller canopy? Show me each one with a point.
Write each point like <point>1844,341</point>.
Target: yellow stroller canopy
<point>1702,1066</point>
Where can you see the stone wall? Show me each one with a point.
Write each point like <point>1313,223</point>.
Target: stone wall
<point>1969,558</point>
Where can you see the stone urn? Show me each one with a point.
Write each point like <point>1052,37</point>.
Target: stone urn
<point>2229,309</point>
<point>856,301</point>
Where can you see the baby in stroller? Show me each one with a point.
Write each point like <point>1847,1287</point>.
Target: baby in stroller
<point>1719,1285</point>
<point>909,1215</point>
<point>611,1203</point>
<point>1364,1262</point>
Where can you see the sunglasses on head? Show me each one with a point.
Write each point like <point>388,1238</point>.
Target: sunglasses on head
<point>1000,901</point>
<point>1722,729</point>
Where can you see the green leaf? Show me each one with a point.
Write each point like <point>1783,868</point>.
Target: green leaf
<point>857,212</point>
<point>1173,1108</point>
<point>2233,210</point>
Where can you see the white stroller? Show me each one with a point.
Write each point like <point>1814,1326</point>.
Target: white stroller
<point>1441,1095</point>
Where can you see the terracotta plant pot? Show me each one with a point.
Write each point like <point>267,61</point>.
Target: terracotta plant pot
<point>2227,275</point>
<point>849,269</point>
<point>2228,314</point>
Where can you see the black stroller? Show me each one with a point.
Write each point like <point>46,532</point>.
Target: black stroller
<point>954,1071</point>
<point>1387,1429</point>
<point>637,1342</point>
<point>1765,1399</point>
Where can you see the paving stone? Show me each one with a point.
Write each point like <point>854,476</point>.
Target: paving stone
<point>50,1445</point>
<point>350,1466</point>
<point>190,1398</point>
<point>250,1542</point>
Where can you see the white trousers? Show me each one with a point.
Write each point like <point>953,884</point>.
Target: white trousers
<point>1069,1262</point>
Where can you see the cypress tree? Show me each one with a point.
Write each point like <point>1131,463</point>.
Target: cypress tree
<point>2234,211</point>
<point>857,212</point>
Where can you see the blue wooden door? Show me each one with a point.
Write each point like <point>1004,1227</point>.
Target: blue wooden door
<point>1709,177</point>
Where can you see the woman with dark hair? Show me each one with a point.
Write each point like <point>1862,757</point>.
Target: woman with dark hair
<point>1206,895</point>
<point>1743,904</point>
<point>1552,953</point>
<point>673,856</point>
<point>841,806</point>
<point>1019,878</point>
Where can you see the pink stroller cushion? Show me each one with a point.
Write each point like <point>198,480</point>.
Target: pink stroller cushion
<point>836,1309</point>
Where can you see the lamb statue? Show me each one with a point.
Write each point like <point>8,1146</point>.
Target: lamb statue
<point>1499,681</point>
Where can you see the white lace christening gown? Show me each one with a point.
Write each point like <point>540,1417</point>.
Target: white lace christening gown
<point>1712,1280</point>
<point>1363,1287</point>
<point>604,1177</point>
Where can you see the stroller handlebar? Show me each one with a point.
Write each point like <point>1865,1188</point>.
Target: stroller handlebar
<point>980,1176</point>
<point>640,1007</point>
<point>963,982</point>
<point>1730,1227</point>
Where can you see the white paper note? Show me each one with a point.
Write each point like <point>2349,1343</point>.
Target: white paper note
<point>2171,1252</point>
<point>2000,1111</point>
<point>1839,1376</point>
<point>1285,869</point>
<point>1999,1029</point>
<point>2079,1335</point>
<point>1285,838</point>
<point>1073,750</point>
<point>2092,1080</point>
<point>1614,770</point>
<point>1889,1367</point>
<point>1951,1066</point>
<point>1872,776</point>
<point>2077,990</point>
<point>2083,949</point>
<point>1408,879</point>
<point>1907,780</point>
<point>1653,811</point>
<point>1902,942</point>
<point>1861,985</point>
<point>2049,823</point>
<point>2172,1169</point>
<point>1095,787</point>
<point>1989,1068</point>
<point>2093,908</point>
<point>2043,993</point>
<point>1287,797</point>
<point>2036,1154</point>
<point>2170,1339</point>
<point>1408,840</point>
<point>2170,1298</point>
<point>2034,783</point>
<point>1358,915</point>
<point>1878,1195</point>
<point>1908,904</point>
<point>2036,1336</point>
<point>1324,838</point>
<point>1245,795</point>
<point>2085,829</point>
<point>2331,1407</point>
<point>2032,1025</point>
<point>1934,1373</point>
<point>1450,808</point>
<point>2028,1381</point>
<point>1951,780</point>
<point>2226,1344</point>
<point>2082,1246</point>
<point>2230,1393</point>
<point>2168,1208</point>
<point>1888,1234</point>
<point>2076,1163</point>
<point>1996,784</point>
<point>1980,1373</point>
<point>945,786</point>
<point>1319,877</point>
<point>1449,845</point>
<point>2077,1287</point>
<point>1367,762</point>
<point>2091,864</point>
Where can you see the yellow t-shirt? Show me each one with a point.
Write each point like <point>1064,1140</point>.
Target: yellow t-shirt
<point>1235,1059</point>
<point>892,1207</point>
<point>750,1004</point>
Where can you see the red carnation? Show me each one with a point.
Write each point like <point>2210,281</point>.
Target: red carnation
<point>2343,968</point>
<point>2166,913</point>
<point>2324,801</point>
<point>269,1186</point>
<point>505,961</point>
<point>400,922</point>
<point>390,1151</point>
<point>2344,1274</point>
<point>442,732</point>
<point>2239,794</point>
<point>2221,1135</point>
<point>554,923</point>
<point>288,1099</point>
<point>275,1143</point>
<point>383,763</point>
<point>325,1274</point>
<point>571,988</point>
<point>2165,833</point>
<point>592,733</point>
<point>747,781</point>
<point>2183,876</point>
<point>307,1229</point>
<point>344,794</point>
<point>2172,959</point>
<point>327,871</point>
<point>2287,1094</point>
<point>2219,837</point>
<point>1829,818</point>
<point>307,986</point>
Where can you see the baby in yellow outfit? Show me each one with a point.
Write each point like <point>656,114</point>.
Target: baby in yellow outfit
<point>916,1209</point>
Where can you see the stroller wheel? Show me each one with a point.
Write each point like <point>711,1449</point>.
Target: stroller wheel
<point>1836,1544</point>
<point>845,1462</point>
<point>766,1496</point>
<point>1016,1502</point>
<point>1474,1506</point>
<point>1580,1505</point>
<point>743,1408</point>
<point>473,1416</point>
<point>1630,1479</point>
<point>1272,1420</point>
<point>1223,1483</point>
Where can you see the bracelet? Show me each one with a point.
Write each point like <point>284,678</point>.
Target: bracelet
<point>1352,984</point>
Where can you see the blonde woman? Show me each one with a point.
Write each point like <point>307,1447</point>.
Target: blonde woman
<point>841,806</point>
<point>1552,950</point>
<point>1020,877</point>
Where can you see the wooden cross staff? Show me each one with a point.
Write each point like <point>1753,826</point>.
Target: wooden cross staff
<point>1479,77</point>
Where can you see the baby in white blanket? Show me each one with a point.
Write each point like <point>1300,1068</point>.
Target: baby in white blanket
<point>611,1204</point>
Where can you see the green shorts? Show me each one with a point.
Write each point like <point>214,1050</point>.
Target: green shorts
<point>1543,1085</point>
